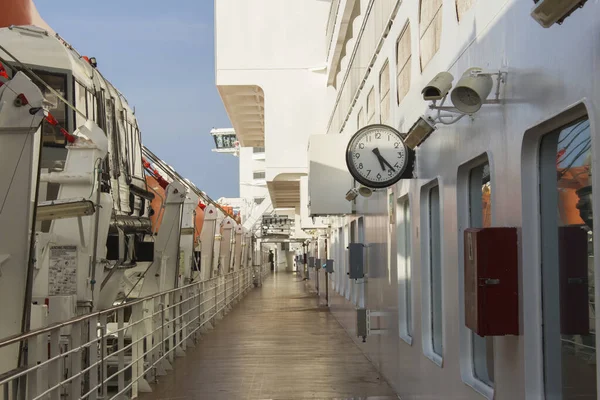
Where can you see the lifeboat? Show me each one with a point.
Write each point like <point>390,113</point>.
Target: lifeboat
<point>21,12</point>
<point>570,181</point>
<point>157,203</point>
<point>198,221</point>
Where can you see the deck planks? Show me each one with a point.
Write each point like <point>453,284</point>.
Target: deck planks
<point>277,343</point>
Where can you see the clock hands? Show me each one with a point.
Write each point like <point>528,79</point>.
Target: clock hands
<point>382,160</point>
<point>379,157</point>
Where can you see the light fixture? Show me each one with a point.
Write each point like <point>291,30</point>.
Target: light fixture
<point>419,132</point>
<point>67,208</point>
<point>365,191</point>
<point>471,91</point>
<point>351,194</point>
<point>549,12</point>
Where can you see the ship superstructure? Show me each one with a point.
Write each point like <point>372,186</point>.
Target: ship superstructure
<point>495,105</point>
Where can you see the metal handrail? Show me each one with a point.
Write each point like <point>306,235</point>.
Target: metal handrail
<point>160,325</point>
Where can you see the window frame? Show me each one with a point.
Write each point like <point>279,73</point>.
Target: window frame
<point>264,175</point>
<point>407,64</point>
<point>549,255</point>
<point>531,238</point>
<point>459,15</point>
<point>422,34</point>
<point>371,106</point>
<point>467,365</point>
<point>405,308</point>
<point>426,286</point>
<point>384,98</point>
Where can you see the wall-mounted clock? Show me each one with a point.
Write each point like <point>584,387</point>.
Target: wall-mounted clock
<point>377,157</point>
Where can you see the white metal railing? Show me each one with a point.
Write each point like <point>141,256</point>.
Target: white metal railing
<point>114,353</point>
<point>377,21</point>
<point>334,9</point>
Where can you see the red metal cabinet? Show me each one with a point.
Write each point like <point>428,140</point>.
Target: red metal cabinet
<point>491,281</point>
<point>573,281</point>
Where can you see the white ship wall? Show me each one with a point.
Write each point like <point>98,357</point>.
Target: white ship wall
<point>549,72</point>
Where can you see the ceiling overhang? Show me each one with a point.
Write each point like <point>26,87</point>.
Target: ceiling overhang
<point>284,191</point>
<point>245,106</point>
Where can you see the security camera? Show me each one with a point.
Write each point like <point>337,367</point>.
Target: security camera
<point>439,87</point>
<point>351,195</point>
<point>471,91</point>
<point>365,191</point>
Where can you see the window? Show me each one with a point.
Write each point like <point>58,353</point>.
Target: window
<point>371,106</point>
<point>352,281</point>
<point>404,269</point>
<point>480,216</point>
<point>384,93</point>
<point>259,175</point>
<point>431,272</point>
<point>430,21</point>
<point>91,107</point>
<point>462,6</point>
<point>403,57</point>
<point>360,118</point>
<point>567,254</point>
<point>258,149</point>
<point>80,104</point>
<point>361,282</point>
<point>51,135</point>
<point>339,271</point>
<point>346,278</point>
<point>435,270</point>
<point>259,200</point>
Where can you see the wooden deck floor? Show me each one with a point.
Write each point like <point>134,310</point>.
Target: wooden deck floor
<point>276,344</point>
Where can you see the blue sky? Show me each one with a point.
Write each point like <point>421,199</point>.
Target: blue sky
<point>161,57</point>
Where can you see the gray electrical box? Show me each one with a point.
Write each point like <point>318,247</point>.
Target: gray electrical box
<point>362,323</point>
<point>318,263</point>
<point>311,262</point>
<point>329,266</point>
<point>356,251</point>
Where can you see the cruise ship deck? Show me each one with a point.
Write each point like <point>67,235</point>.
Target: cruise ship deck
<point>262,350</point>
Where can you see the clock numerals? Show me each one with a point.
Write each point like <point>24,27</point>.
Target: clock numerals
<point>370,156</point>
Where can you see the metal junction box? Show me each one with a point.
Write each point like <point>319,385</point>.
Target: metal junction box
<point>573,281</point>
<point>356,260</point>
<point>311,262</point>
<point>318,263</point>
<point>329,266</point>
<point>491,281</point>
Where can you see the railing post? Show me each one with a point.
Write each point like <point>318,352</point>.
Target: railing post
<point>55,366</point>
<point>138,337</point>
<point>76,335</point>
<point>92,356</point>
<point>103,364</point>
<point>121,345</point>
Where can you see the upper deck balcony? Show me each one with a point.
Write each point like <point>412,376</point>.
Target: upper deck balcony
<point>270,59</point>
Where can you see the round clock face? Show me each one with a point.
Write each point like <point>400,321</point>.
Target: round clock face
<point>377,156</point>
